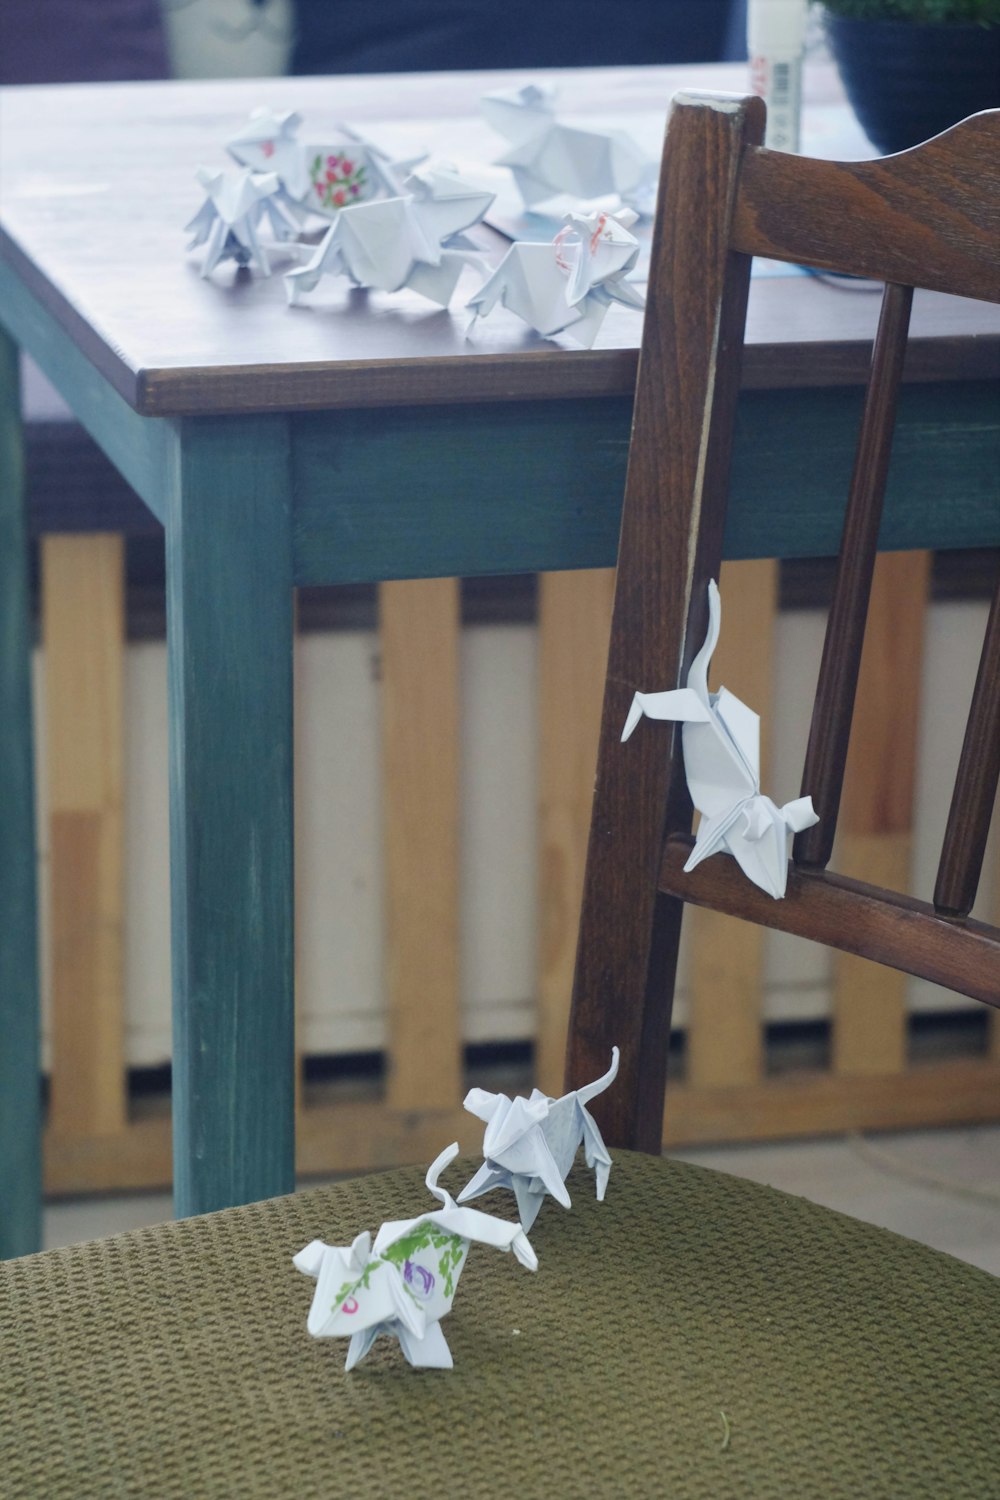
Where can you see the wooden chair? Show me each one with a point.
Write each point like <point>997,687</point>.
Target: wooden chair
<point>929,218</point>
<point>694,1335</point>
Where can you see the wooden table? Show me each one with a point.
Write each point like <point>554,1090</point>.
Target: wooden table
<point>362,438</point>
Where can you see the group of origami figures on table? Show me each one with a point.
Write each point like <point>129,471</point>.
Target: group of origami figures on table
<point>403,224</point>
<point>405,1282</point>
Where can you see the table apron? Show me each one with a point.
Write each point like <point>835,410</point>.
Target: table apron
<point>537,486</point>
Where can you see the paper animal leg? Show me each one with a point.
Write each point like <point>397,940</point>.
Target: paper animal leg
<point>257,255</point>
<point>680,704</point>
<point>484,1181</point>
<point>360,1344</point>
<point>306,278</point>
<point>529,1201</point>
<point>429,1353</point>
<point>216,244</point>
<point>596,1154</point>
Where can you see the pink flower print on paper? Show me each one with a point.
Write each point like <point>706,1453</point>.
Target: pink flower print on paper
<point>337,179</point>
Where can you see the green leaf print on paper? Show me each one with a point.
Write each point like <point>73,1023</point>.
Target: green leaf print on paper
<point>351,1287</point>
<point>427,1236</point>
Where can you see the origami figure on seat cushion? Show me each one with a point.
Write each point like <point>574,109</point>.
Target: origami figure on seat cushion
<point>405,1282</point>
<point>530,1144</point>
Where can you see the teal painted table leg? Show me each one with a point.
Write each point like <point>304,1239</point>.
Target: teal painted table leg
<point>20,1084</point>
<point>229,640</point>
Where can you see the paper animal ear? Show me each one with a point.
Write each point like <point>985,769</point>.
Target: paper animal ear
<point>309,1258</point>
<point>482,1104</point>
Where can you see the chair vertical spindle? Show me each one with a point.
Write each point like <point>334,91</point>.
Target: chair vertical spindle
<point>823,773</point>
<point>975,784</point>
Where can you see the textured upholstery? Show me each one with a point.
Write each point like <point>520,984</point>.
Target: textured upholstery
<point>175,1361</point>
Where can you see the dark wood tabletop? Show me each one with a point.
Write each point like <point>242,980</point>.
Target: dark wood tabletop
<point>97,183</point>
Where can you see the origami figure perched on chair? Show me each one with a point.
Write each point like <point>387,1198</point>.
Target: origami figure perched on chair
<point>530,1144</point>
<point>413,240</point>
<point>404,1284</point>
<point>721,739</point>
<point>228,220</point>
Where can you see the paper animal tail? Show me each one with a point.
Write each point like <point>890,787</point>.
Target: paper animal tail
<point>698,672</point>
<point>591,1090</point>
<point>434,1171</point>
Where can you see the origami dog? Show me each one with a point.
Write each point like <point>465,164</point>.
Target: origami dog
<point>405,1282</point>
<point>721,738</point>
<point>530,1144</point>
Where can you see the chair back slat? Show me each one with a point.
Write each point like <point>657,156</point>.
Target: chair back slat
<point>928,217</point>
<point>850,915</point>
<point>975,784</point>
<point>826,755</point>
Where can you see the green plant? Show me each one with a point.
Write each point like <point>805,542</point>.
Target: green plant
<point>920,12</point>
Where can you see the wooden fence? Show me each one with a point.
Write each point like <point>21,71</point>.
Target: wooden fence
<point>94,1140</point>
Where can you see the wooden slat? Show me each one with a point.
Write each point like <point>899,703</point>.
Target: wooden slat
<point>826,754</point>
<point>925,216</point>
<point>975,783</point>
<point>362,1135</point>
<point>83,631</point>
<point>821,1103</point>
<point>725,1038</point>
<point>574,621</point>
<point>419,622</point>
<point>869,1033</point>
<point>849,915</point>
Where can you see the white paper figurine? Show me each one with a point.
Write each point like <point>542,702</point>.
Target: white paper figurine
<point>567,285</point>
<point>548,158</point>
<point>721,738</point>
<point>412,241</point>
<point>319,177</point>
<point>228,221</point>
<point>530,1144</point>
<point>405,1282</point>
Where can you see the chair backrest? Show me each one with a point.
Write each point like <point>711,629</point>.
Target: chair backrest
<point>929,217</point>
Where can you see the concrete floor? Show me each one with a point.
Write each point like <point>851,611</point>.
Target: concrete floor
<point>938,1186</point>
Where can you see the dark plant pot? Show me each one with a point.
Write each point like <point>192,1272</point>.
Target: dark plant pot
<point>908,82</point>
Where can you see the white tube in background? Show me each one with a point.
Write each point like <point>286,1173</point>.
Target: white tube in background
<point>776,32</point>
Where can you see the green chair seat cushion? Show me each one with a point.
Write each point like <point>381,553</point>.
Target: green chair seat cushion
<point>174,1361</point>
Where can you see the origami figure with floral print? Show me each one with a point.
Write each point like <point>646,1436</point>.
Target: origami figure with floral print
<point>530,1144</point>
<point>405,1282</point>
<point>414,240</point>
<point>721,738</point>
<point>319,177</point>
